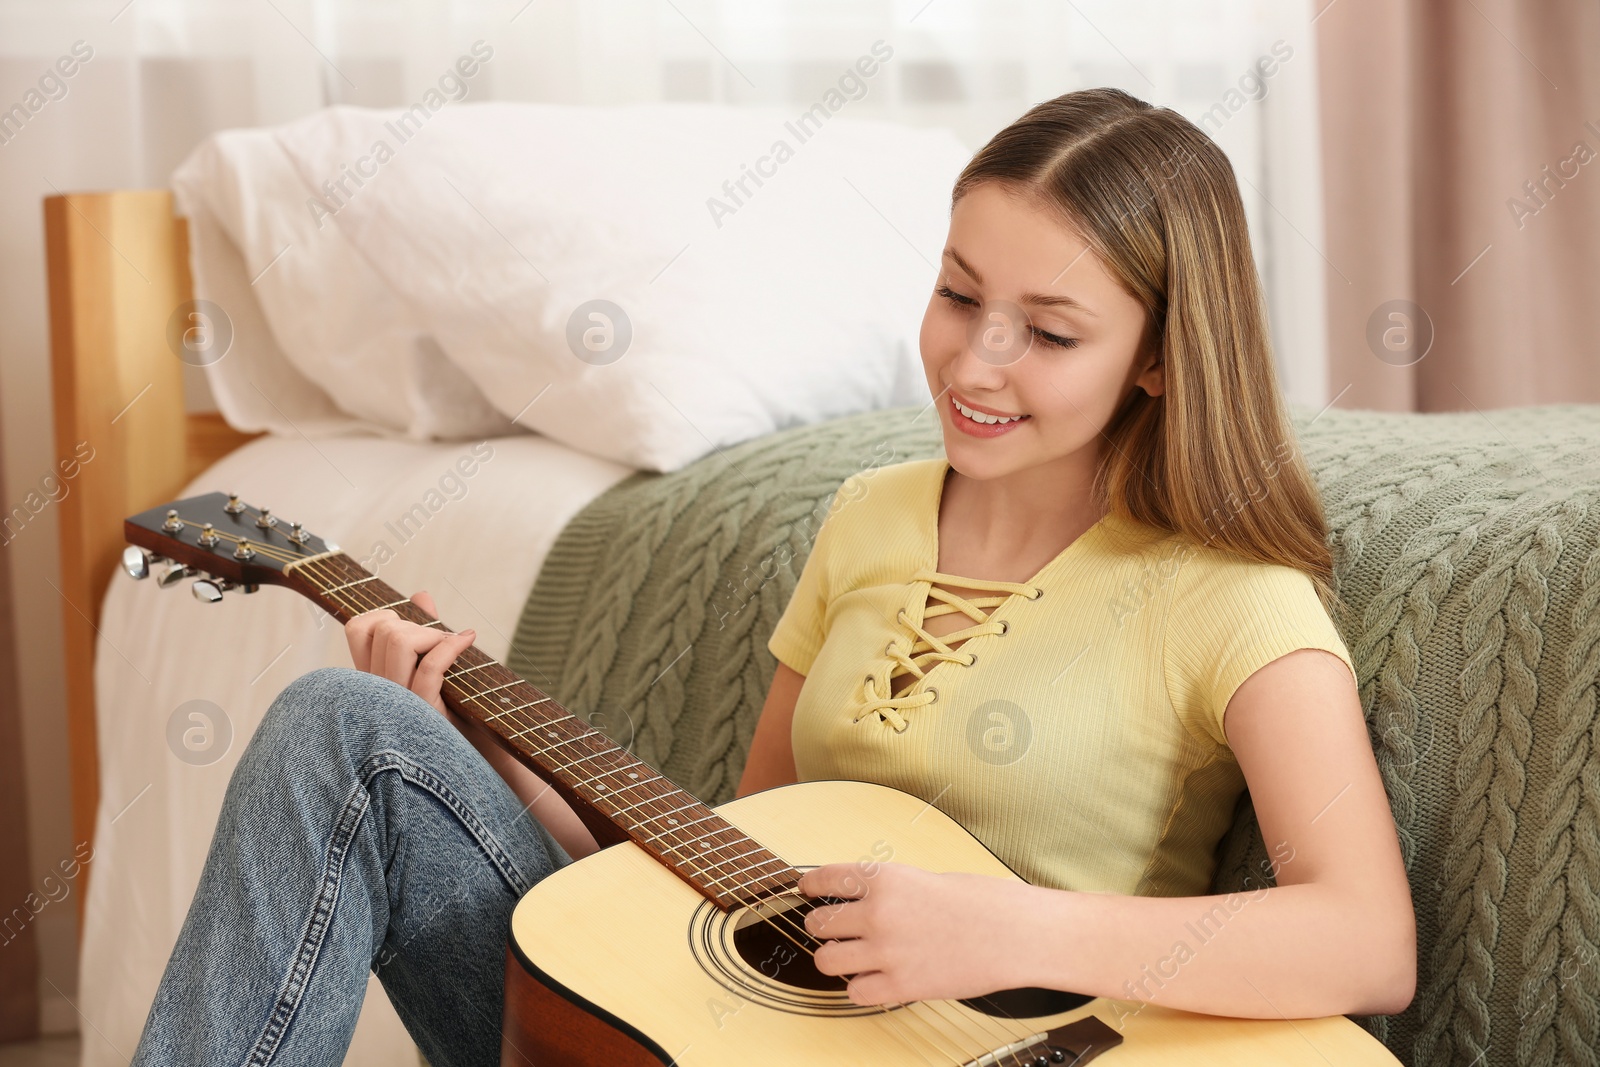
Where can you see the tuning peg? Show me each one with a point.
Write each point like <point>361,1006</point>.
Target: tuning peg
<point>234,506</point>
<point>136,561</point>
<point>208,590</point>
<point>173,575</point>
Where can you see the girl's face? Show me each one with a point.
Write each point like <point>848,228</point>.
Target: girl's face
<point>1026,324</point>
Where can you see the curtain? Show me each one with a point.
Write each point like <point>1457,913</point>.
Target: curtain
<point>1460,143</point>
<point>103,94</point>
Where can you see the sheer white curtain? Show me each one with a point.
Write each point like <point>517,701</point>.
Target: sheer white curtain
<point>151,78</point>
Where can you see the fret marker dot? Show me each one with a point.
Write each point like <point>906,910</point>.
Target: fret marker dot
<point>633,774</point>
<point>552,733</point>
<point>505,700</point>
<point>672,822</point>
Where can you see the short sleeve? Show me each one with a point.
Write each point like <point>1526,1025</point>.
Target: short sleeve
<point>798,637</point>
<point>1229,618</point>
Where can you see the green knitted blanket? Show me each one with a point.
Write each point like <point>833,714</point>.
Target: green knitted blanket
<point>1466,547</point>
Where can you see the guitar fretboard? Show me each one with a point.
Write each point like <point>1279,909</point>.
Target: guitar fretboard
<point>584,765</point>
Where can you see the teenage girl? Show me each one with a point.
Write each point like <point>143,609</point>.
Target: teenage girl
<point>1100,619</point>
<point>1082,634</point>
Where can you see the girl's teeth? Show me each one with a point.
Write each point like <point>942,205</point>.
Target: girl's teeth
<point>978,416</point>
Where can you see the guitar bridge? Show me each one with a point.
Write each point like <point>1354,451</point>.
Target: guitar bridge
<point>1072,1044</point>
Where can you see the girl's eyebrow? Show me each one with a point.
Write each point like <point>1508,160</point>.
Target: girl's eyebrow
<point>1037,299</point>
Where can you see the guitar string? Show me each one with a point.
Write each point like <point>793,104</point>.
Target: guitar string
<point>987,1043</point>
<point>319,562</point>
<point>961,1021</point>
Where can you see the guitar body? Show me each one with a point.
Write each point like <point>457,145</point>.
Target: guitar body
<point>613,962</point>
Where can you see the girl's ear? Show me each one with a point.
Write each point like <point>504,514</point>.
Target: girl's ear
<point>1153,379</point>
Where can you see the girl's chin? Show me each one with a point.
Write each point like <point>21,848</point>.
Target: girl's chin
<point>984,458</point>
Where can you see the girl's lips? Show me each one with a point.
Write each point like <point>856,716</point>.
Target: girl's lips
<point>979,408</point>
<point>974,428</point>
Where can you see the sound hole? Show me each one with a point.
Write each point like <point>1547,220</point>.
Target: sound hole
<point>773,941</point>
<point>1026,1003</point>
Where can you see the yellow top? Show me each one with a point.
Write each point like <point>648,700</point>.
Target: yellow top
<point>1076,727</point>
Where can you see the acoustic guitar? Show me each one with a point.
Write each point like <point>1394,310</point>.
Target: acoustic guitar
<point>682,940</point>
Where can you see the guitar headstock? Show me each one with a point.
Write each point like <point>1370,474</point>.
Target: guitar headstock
<point>219,540</point>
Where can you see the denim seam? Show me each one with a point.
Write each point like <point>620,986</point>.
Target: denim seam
<point>316,928</point>
<point>344,831</point>
<point>419,775</point>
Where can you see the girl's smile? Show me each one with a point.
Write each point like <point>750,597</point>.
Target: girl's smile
<point>980,421</point>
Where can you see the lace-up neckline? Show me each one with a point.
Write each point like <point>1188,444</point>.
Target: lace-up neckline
<point>915,655</point>
<point>916,651</point>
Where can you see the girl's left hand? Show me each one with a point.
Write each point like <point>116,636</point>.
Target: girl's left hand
<point>910,934</point>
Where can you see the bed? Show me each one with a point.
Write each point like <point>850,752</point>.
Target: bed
<point>163,691</point>
<point>160,799</point>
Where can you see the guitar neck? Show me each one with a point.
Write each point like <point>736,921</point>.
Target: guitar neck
<point>618,796</point>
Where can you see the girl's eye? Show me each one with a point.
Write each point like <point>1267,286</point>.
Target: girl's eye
<point>1053,341</point>
<point>955,297</point>
<point>1049,339</point>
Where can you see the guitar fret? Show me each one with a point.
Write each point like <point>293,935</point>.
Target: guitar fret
<point>736,859</point>
<point>607,792</point>
<point>630,807</point>
<point>702,818</point>
<point>724,863</point>
<point>468,670</point>
<point>675,830</point>
<point>503,712</point>
<point>496,689</point>
<point>526,730</point>
<point>347,585</point>
<point>702,837</point>
<point>750,870</point>
<point>582,759</point>
<point>612,791</point>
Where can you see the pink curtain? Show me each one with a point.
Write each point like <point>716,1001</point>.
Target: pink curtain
<point>1461,160</point>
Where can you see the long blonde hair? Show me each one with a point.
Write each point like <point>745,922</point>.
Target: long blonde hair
<point>1214,458</point>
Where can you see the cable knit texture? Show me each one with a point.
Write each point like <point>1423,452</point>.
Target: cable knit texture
<point>1466,548</point>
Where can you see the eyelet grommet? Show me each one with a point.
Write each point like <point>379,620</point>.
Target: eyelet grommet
<point>1037,593</point>
<point>1004,629</point>
<point>935,693</point>
<point>888,650</point>
<point>972,657</point>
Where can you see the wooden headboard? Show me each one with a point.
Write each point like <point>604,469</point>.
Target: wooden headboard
<point>118,266</point>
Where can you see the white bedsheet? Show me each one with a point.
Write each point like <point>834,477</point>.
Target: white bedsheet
<point>478,552</point>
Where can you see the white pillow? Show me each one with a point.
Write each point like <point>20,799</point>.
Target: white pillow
<point>799,302</point>
<point>319,342</point>
<point>491,227</point>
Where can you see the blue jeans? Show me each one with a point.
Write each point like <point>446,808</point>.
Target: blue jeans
<point>361,831</point>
